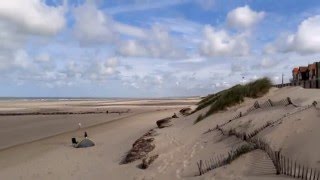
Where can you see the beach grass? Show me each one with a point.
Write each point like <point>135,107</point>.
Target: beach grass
<point>232,96</point>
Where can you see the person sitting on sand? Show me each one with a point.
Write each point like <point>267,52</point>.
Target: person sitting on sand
<point>74,141</point>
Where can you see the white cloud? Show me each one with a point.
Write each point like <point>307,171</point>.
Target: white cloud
<point>128,30</point>
<point>267,63</point>
<point>158,44</point>
<point>305,40</point>
<point>101,70</point>
<point>33,16</point>
<point>92,26</point>
<point>220,43</point>
<point>237,67</point>
<point>22,22</point>
<point>132,48</point>
<point>244,17</point>
<point>42,57</point>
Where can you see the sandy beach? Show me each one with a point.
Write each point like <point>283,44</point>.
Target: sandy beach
<point>42,149</point>
<point>39,146</point>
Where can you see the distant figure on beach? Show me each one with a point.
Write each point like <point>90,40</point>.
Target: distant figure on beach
<point>79,125</point>
<point>85,135</point>
<point>74,141</point>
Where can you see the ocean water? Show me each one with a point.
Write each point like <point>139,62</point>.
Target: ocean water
<point>83,98</point>
<point>57,98</point>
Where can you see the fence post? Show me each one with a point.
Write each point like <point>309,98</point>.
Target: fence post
<point>277,159</point>
<point>284,165</point>
<point>200,167</point>
<point>295,166</point>
<point>289,100</point>
<point>205,166</point>
<point>288,162</point>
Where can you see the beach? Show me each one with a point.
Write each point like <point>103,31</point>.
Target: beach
<point>39,146</point>
<point>177,147</point>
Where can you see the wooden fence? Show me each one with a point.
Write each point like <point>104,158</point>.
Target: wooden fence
<point>255,106</point>
<point>309,84</point>
<point>285,165</point>
<point>282,164</point>
<point>222,160</point>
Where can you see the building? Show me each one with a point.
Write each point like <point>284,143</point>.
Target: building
<point>295,73</point>
<point>312,68</point>
<point>304,73</point>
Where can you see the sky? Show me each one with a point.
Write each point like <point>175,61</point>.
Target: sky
<point>145,48</point>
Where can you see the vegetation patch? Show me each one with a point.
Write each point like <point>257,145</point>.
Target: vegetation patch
<point>232,96</point>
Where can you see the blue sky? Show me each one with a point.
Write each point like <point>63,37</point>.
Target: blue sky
<point>144,48</point>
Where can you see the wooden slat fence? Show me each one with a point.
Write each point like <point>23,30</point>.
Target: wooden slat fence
<point>256,105</point>
<point>282,164</point>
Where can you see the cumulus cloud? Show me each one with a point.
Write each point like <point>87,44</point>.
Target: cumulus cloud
<point>42,57</point>
<point>158,44</point>
<point>91,25</point>
<point>221,43</point>
<point>94,26</point>
<point>101,70</point>
<point>33,16</point>
<point>265,63</point>
<point>244,17</point>
<point>305,41</point>
<point>20,23</point>
<point>237,67</point>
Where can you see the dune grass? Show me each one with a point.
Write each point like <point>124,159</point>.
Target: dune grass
<point>232,96</point>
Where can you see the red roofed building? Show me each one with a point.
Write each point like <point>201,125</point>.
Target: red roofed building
<point>312,68</point>
<point>295,73</point>
<point>303,73</point>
